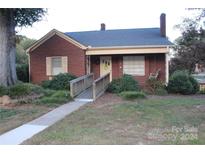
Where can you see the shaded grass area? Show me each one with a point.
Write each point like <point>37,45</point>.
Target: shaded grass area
<point>13,117</point>
<point>150,121</point>
<point>6,113</point>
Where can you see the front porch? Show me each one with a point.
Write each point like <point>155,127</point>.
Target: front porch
<point>138,65</point>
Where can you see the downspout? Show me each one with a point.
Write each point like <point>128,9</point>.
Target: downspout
<point>29,66</point>
<point>167,65</point>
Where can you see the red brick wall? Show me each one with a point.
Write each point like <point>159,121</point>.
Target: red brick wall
<point>56,46</point>
<point>152,63</point>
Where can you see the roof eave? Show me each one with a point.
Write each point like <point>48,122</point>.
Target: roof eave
<point>128,47</point>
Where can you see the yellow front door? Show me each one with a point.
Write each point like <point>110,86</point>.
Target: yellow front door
<point>106,66</point>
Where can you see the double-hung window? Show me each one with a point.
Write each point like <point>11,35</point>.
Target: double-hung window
<point>56,65</point>
<point>134,65</point>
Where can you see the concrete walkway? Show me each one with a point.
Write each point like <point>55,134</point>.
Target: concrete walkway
<point>26,131</point>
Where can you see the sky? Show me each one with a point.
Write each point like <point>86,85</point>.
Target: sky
<point>79,15</point>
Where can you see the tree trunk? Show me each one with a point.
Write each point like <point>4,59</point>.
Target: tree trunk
<point>7,48</point>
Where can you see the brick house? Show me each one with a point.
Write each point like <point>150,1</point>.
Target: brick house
<point>138,52</point>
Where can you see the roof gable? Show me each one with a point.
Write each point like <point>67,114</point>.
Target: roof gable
<point>51,34</point>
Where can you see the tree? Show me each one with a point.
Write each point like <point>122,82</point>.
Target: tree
<point>22,68</point>
<point>190,47</point>
<point>9,19</point>
<point>22,44</point>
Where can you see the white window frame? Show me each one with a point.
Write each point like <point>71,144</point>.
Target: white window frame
<point>134,65</point>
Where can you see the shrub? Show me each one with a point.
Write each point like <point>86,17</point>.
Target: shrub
<point>35,88</point>
<point>3,91</point>
<point>61,93</point>
<point>161,91</point>
<point>57,97</point>
<point>154,86</point>
<point>48,92</point>
<point>59,82</point>
<point>195,84</point>
<point>181,82</point>
<point>46,84</point>
<point>22,72</point>
<point>130,95</point>
<point>19,90</point>
<point>22,89</point>
<point>125,83</point>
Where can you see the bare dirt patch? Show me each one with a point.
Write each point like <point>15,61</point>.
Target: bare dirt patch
<point>106,100</point>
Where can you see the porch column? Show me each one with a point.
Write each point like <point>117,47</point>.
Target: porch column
<point>88,65</point>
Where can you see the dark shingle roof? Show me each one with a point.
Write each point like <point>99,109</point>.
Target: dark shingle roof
<point>121,37</point>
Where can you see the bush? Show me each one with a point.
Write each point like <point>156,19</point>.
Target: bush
<point>59,82</point>
<point>22,72</point>
<point>3,91</point>
<point>130,95</point>
<point>195,84</point>
<point>22,89</point>
<point>19,90</point>
<point>125,83</point>
<point>30,93</point>
<point>59,94</point>
<point>161,92</point>
<point>154,86</point>
<point>57,97</point>
<point>181,82</point>
<point>48,92</point>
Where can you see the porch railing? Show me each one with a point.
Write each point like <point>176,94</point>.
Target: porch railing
<point>100,85</point>
<point>80,84</point>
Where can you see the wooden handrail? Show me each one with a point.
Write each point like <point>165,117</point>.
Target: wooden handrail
<point>80,84</point>
<point>80,78</point>
<point>100,85</point>
<point>100,78</point>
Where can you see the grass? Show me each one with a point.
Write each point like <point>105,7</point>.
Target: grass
<point>29,102</point>
<point>149,121</point>
<point>6,113</point>
<point>131,95</point>
<point>24,112</point>
<point>13,117</point>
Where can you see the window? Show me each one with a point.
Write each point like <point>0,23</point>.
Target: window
<point>134,65</point>
<point>56,63</point>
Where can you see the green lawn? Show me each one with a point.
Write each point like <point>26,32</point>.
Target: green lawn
<point>111,120</point>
